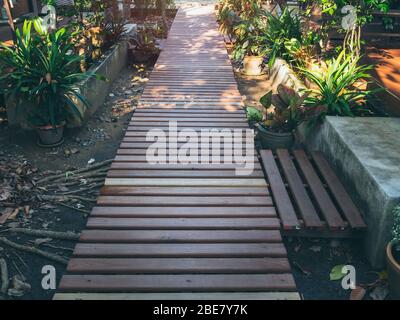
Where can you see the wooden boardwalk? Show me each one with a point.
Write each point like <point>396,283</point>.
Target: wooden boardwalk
<point>176,231</point>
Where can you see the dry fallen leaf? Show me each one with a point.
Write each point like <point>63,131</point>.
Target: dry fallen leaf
<point>20,287</point>
<point>358,293</point>
<point>26,210</point>
<point>5,215</point>
<point>14,214</point>
<point>4,195</point>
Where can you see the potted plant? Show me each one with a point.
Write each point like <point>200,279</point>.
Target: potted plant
<point>43,79</point>
<point>249,46</point>
<point>393,257</point>
<point>142,47</point>
<point>284,112</point>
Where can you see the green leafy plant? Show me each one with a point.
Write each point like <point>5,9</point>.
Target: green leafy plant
<point>304,52</point>
<point>41,74</point>
<point>227,19</point>
<point>113,31</point>
<point>143,41</point>
<point>336,85</point>
<point>279,30</point>
<point>396,229</point>
<point>253,114</point>
<point>248,33</point>
<point>289,109</point>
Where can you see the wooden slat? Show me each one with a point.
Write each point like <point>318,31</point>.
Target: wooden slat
<point>179,174</point>
<point>180,296</point>
<point>180,166</point>
<point>303,201</point>
<point>282,200</point>
<point>343,199</point>
<point>183,223</point>
<point>185,182</point>
<point>190,191</point>
<point>174,266</point>
<point>252,201</point>
<point>322,198</point>
<point>177,236</point>
<point>168,283</point>
<point>179,212</point>
<point>221,250</point>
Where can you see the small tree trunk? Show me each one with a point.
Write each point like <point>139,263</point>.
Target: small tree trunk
<point>163,7</point>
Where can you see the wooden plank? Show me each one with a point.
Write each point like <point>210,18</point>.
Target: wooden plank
<point>177,266</point>
<point>178,116</point>
<point>180,166</point>
<point>179,212</point>
<point>160,155</point>
<point>126,173</point>
<point>226,201</point>
<point>337,189</point>
<point>180,296</point>
<point>188,119</point>
<point>220,143</point>
<point>185,182</point>
<point>168,283</point>
<point>184,223</point>
<point>303,201</point>
<point>182,124</point>
<point>328,209</point>
<point>187,112</point>
<point>192,191</point>
<point>189,250</point>
<point>282,200</point>
<point>179,236</point>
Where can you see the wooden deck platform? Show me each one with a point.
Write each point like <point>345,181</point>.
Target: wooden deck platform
<point>310,199</point>
<point>175,231</point>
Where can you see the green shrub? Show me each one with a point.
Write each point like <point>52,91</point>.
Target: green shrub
<point>248,32</point>
<point>279,30</point>
<point>336,85</point>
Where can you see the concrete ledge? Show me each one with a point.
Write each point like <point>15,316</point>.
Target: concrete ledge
<point>96,90</point>
<point>282,73</point>
<point>366,155</point>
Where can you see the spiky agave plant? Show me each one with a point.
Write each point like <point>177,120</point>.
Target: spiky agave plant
<point>41,74</point>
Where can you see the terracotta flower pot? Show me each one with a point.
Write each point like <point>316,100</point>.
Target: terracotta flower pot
<point>252,65</point>
<point>50,136</point>
<point>393,267</point>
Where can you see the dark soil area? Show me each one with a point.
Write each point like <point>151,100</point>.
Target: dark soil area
<point>313,259</point>
<point>98,139</point>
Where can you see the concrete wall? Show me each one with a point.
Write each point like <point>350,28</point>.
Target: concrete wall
<point>365,152</point>
<point>96,90</point>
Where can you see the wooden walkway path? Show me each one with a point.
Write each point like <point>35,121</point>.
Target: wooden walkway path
<point>176,231</point>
